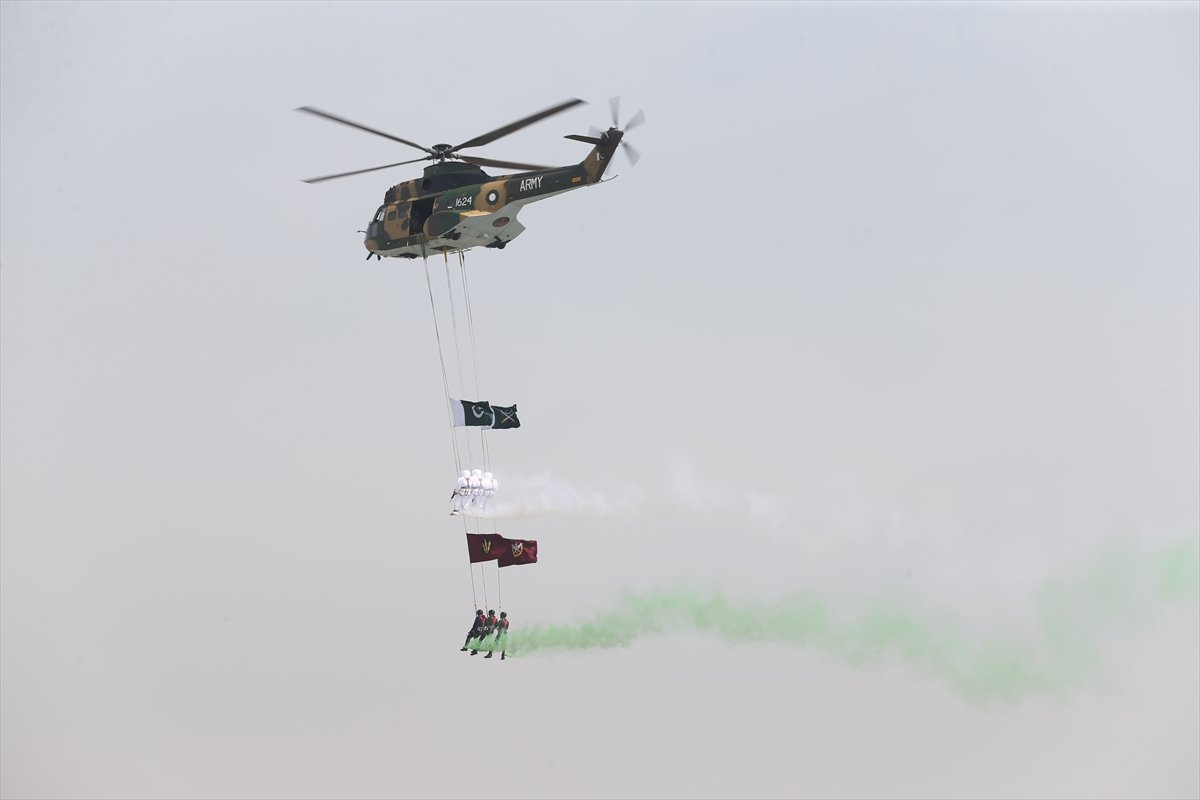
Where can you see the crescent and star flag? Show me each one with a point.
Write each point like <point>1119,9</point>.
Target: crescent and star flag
<point>471,413</point>
<point>505,417</point>
<point>493,547</point>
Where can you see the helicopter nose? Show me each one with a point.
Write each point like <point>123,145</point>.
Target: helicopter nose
<point>372,235</point>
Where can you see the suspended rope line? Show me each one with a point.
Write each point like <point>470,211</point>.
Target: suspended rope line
<point>487,455</point>
<point>471,567</point>
<point>485,451</point>
<point>462,384</point>
<point>462,266</point>
<point>471,572</point>
<point>474,597</point>
<point>441,360</point>
<point>484,448</point>
<point>449,413</point>
<point>484,576</point>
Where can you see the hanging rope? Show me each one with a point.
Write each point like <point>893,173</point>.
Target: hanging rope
<point>471,572</point>
<point>484,575</point>
<point>449,412</point>
<point>484,449</point>
<point>487,456</point>
<point>441,360</point>
<point>462,266</point>
<point>462,384</point>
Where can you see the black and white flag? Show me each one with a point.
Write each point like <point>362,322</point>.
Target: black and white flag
<point>505,417</point>
<point>470,413</point>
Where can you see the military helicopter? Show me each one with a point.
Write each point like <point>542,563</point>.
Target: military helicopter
<point>457,206</point>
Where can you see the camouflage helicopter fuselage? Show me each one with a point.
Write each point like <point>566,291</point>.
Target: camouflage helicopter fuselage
<point>458,206</point>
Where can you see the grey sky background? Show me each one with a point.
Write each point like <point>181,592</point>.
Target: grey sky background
<point>900,298</point>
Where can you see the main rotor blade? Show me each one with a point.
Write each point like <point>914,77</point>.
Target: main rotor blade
<point>632,154</point>
<point>361,171</point>
<point>516,126</point>
<point>635,120</point>
<point>325,114</point>
<point>490,162</point>
<point>614,104</point>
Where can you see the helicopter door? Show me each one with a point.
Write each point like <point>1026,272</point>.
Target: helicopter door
<point>421,210</point>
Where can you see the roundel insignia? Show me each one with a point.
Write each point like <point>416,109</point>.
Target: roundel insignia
<point>493,196</point>
<point>500,222</point>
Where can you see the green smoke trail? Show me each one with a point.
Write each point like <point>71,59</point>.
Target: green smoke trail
<point>1060,648</point>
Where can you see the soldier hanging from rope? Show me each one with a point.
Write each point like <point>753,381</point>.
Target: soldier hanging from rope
<point>476,632</point>
<point>475,486</point>
<point>459,495</point>
<point>489,625</point>
<point>488,484</point>
<point>501,636</point>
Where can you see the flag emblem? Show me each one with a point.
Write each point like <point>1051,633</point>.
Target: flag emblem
<point>517,549</point>
<point>477,413</point>
<point>505,417</point>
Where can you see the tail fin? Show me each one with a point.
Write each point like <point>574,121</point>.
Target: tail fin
<point>598,159</point>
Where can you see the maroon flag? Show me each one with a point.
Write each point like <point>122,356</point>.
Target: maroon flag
<point>518,551</point>
<point>485,546</point>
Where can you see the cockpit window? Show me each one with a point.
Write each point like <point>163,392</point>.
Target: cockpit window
<point>379,215</point>
<point>391,215</point>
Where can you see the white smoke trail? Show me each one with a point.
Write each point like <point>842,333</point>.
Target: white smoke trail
<point>689,492</point>
<point>548,494</point>
<point>830,529</point>
<point>682,491</point>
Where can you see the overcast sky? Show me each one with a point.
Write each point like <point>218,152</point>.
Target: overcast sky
<point>901,300</point>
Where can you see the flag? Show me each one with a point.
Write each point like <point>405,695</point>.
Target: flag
<point>494,547</point>
<point>518,551</point>
<point>505,417</point>
<point>485,546</point>
<point>471,413</point>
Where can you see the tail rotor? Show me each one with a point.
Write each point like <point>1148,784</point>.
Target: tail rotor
<point>596,136</point>
<point>639,118</point>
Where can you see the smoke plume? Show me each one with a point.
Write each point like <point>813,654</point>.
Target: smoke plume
<point>1057,649</point>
